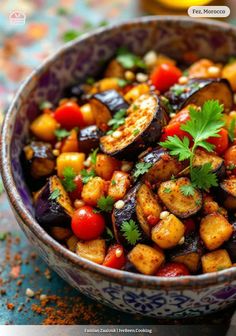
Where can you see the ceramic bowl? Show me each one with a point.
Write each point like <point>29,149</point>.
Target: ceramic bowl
<point>177,37</point>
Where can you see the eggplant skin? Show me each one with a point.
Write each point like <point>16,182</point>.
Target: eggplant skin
<point>105,104</point>
<point>189,253</point>
<point>126,213</point>
<point>202,157</point>
<point>199,90</point>
<point>142,128</point>
<point>89,138</point>
<point>53,212</point>
<point>230,245</point>
<point>163,166</point>
<point>227,193</point>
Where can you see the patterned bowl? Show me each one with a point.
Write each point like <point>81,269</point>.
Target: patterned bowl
<point>132,293</point>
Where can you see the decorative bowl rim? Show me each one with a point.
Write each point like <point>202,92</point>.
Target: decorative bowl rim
<point>119,276</point>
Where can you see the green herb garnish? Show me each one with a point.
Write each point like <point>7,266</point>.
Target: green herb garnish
<point>231,129</point>
<point>129,60</point>
<point>113,182</point>
<point>122,82</point>
<point>45,105</point>
<point>105,203</point>
<point>90,81</point>
<point>61,133</point>
<point>55,194</point>
<point>117,120</point>
<point>232,166</point>
<point>177,89</point>
<point>93,156</point>
<point>130,231</point>
<point>202,125</point>
<point>141,168</point>
<point>87,175</point>
<point>187,190</point>
<point>68,179</point>
<point>136,132</point>
<point>167,190</point>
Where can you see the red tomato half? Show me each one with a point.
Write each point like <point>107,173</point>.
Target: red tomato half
<point>164,76</point>
<point>68,115</point>
<point>86,224</point>
<point>174,129</point>
<point>230,158</point>
<point>114,258</point>
<point>221,143</point>
<point>173,270</point>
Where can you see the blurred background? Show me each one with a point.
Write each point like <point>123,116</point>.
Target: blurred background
<point>45,26</point>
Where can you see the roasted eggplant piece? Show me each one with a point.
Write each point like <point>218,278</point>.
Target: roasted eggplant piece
<point>104,105</point>
<point>89,138</point>
<point>141,129</point>
<point>172,195</point>
<point>40,159</point>
<point>231,244</point>
<point>189,253</point>
<point>227,193</point>
<point>53,206</point>
<point>163,166</point>
<point>140,205</point>
<point>202,157</point>
<point>199,90</point>
<point>78,91</point>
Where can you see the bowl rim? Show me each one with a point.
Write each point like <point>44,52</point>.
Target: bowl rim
<point>122,277</point>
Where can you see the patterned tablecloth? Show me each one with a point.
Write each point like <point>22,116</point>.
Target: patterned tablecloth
<point>48,25</point>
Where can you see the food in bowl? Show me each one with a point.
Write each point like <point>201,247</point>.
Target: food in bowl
<point>136,169</point>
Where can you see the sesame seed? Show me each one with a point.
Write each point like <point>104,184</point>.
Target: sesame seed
<point>183,80</point>
<point>56,152</point>
<point>150,58</point>
<point>129,75</point>
<point>141,77</point>
<point>78,203</point>
<point>213,71</point>
<point>182,240</point>
<point>116,134</point>
<point>172,115</point>
<point>42,297</point>
<point>87,163</point>
<point>29,292</point>
<point>118,252</point>
<point>164,214</point>
<point>119,204</point>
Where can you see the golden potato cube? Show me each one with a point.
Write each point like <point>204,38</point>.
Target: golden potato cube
<point>146,259</point>
<point>229,72</point>
<point>93,190</point>
<point>215,230</point>
<point>191,260</point>
<point>72,159</point>
<point>216,261</point>
<point>94,250</point>
<point>168,232</point>
<point>44,127</point>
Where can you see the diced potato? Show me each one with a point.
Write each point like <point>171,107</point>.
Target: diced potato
<point>168,232</point>
<point>105,84</point>
<point>44,127</point>
<point>93,190</point>
<point>229,72</point>
<point>146,259</point>
<point>71,243</point>
<point>106,165</point>
<point>94,250</point>
<point>87,113</point>
<point>60,233</point>
<point>73,160</point>
<point>120,182</point>
<point>70,144</point>
<point>136,92</point>
<point>215,230</point>
<point>216,261</point>
<point>191,260</point>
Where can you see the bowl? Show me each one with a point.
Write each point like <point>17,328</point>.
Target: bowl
<point>132,293</point>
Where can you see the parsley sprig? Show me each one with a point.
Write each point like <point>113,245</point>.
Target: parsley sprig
<point>131,231</point>
<point>87,175</point>
<point>61,133</point>
<point>117,120</point>
<point>68,179</point>
<point>141,168</point>
<point>129,60</point>
<point>105,203</point>
<point>202,125</point>
<point>93,156</point>
<point>232,129</point>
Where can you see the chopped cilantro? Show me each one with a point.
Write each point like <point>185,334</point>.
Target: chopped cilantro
<point>87,175</point>
<point>61,133</point>
<point>141,168</point>
<point>68,179</point>
<point>55,194</point>
<point>105,203</point>
<point>131,231</point>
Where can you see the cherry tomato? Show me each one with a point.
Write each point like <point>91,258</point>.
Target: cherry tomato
<point>221,143</point>
<point>86,224</point>
<point>174,129</point>
<point>115,257</point>
<point>189,225</point>
<point>230,158</point>
<point>182,116</point>
<point>164,76</point>
<point>68,115</point>
<point>152,220</point>
<point>76,194</point>
<point>173,269</point>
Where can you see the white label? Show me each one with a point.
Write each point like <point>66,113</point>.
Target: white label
<point>209,11</point>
